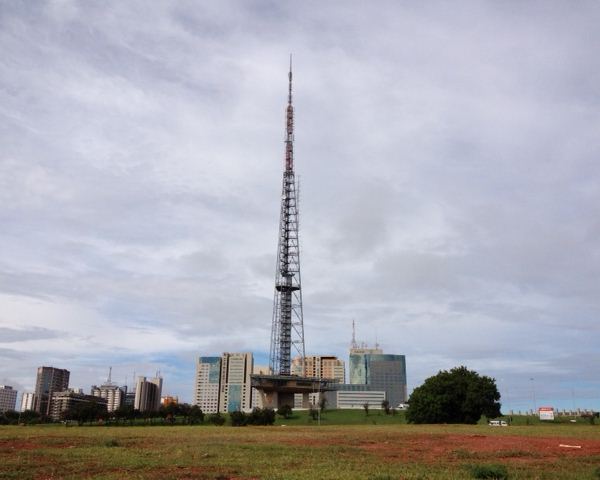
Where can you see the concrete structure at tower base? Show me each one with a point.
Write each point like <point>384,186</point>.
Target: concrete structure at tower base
<point>279,390</point>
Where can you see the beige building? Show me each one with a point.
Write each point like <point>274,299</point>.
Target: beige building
<point>66,401</point>
<point>320,366</point>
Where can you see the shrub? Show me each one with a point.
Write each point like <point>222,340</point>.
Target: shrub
<point>264,416</point>
<point>285,411</point>
<point>493,472</point>
<point>238,419</point>
<point>216,419</point>
<point>111,443</point>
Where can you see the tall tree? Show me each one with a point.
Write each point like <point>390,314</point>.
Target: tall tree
<point>456,396</point>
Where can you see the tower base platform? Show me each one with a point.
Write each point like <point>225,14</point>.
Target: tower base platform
<point>279,390</point>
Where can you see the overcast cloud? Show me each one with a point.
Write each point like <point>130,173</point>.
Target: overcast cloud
<point>448,156</point>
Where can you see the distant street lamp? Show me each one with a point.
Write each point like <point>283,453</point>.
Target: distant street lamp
<point>533,394</point>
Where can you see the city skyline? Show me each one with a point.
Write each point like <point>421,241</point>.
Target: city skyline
<point>448,185</point>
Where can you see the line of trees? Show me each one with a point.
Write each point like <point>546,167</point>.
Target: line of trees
<point>181,414</point>
<point>171,414</point>
<point>28,417</point>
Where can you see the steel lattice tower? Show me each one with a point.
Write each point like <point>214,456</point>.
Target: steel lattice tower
<point>287,330</point>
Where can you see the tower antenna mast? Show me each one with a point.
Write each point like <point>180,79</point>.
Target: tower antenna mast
<point>287,330</point>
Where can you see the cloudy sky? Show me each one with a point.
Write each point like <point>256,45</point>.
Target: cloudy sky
<point>450,199</point>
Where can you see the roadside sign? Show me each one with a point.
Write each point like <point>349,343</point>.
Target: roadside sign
<point>546,413</point>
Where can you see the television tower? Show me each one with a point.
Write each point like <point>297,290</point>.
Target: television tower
<point>287,330</point>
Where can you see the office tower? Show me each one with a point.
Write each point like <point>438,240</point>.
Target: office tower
<point>235,389</point>
<point>8,398</point>
<point>27,401</point>
<point>147,394</point>
<point>114,395</point>
<point>380,372</point>
<point>223,383</point>
<point>287,330</point>
<point>49,380</point>
<point>206,386</point>
<point>70,399</point>
<point>320,366</point>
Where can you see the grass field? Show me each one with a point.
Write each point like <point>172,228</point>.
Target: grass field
<point>381,451</point>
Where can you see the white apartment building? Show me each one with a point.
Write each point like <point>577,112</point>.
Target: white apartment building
<point>8,398</point>
<point>27,401</point>
<point>114,395</point>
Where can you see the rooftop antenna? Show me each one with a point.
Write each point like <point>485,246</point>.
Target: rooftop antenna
<point>290,82</point>
<point>108,380</point>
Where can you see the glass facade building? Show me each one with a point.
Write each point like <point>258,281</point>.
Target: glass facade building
<point>383,372</point>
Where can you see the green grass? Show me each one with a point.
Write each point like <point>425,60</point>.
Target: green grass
<point>343,417</point>
<point>299,450</point>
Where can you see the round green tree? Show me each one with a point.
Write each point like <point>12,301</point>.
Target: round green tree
<point>458,396</point>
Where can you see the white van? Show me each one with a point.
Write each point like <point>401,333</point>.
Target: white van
<point>497,423</point>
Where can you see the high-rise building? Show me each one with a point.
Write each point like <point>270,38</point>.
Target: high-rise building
<point>379,371</point>
<point>320,366</point>
<point>27,401</point>
<point>206,386</point>
<point>114,395</point>
<point>223,383</point>
<point>147,394</point>
<point>49,380</point>
<point>8,398</point>
<point>67,400</point>
<point>235,389</point>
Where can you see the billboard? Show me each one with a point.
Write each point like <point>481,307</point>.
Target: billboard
<point>546,413</point>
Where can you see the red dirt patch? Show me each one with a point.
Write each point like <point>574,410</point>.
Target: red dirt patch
<point>18,445</point>
<point>435,448</point>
